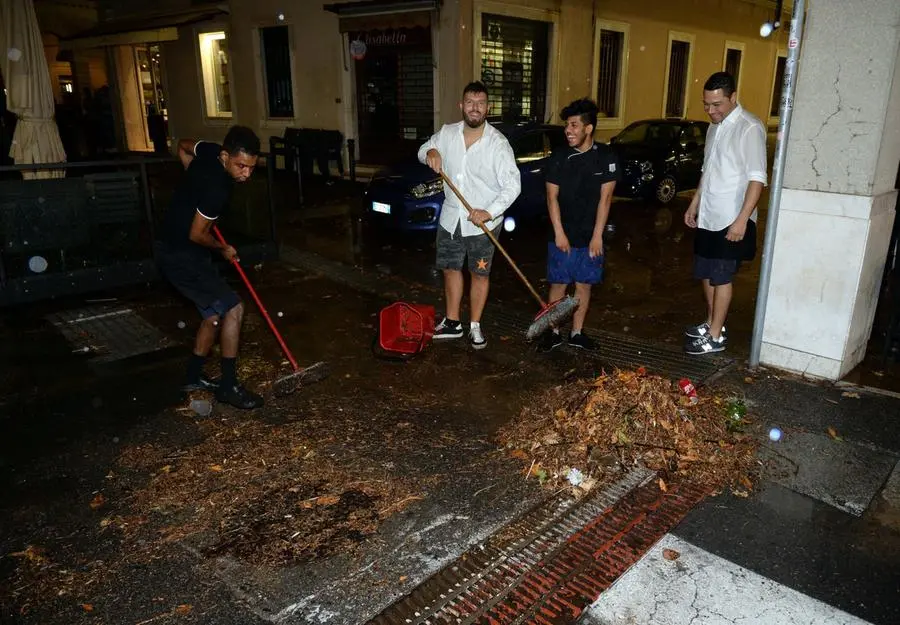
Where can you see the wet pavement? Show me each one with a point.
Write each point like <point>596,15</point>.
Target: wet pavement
<point>412,444</point>
<point>648,290</point>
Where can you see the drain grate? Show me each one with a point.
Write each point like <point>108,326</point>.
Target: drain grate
<point>108,333</point>
<point>613,350</point>
<point>551,563</point>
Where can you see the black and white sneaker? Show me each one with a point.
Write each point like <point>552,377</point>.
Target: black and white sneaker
<point>203,383</point>
<point>581,341</point>
<point>476,336</point>
<point>705,345</point>
<point>548,341</point>
<point>700,330</point>
<point>239,397</point>
<point>447,329</point>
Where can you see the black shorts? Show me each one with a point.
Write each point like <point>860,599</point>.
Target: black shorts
<point>713,244</point>
<point>718,271</point>
<point>196,277</point>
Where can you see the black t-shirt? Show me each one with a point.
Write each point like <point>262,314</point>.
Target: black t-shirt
<point>205,188</point>
<point>580,176</point>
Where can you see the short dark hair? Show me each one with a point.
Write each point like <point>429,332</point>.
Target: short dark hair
<point>585,108</point>
<point>475,87</point>
<point>723,81</point>
<point>241,139</point>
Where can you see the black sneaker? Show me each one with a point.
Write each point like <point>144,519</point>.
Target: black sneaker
<point>705,345</point>
<point>549,341</point>
<point>203,383</point>
<point>582,341</point>
<point>239,397</point>
<point>700,330</point>
<point>447,329</point>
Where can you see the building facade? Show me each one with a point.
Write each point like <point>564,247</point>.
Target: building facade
<point>387,73</point>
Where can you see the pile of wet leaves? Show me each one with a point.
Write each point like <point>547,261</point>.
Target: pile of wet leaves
<point>585,432</point>
<point>262,492</point>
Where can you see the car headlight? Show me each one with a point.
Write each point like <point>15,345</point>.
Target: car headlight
<point>646,166</point>
<point>427,189</point>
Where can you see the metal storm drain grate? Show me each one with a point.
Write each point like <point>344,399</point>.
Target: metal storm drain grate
<point>108,333</point>
<point>553,562</point>
<point>613,350</point>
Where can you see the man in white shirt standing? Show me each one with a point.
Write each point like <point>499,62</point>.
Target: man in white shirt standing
<point>724,208</point>
<point>480,162</point>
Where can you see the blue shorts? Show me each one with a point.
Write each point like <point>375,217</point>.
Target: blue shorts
<point>576,266</point>
<point>219,307</point>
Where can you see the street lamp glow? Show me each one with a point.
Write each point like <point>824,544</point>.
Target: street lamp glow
<point>768,28</point>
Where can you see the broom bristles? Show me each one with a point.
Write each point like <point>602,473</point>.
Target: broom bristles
<point>554,315</point>
<point>291,382</point>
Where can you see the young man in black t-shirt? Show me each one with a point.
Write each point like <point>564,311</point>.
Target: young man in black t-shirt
<point>580,182</point>
<point>183,254</point>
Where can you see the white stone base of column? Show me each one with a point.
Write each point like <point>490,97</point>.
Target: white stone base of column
<point>829,257</point>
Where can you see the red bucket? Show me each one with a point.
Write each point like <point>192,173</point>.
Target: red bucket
<point>405,328</point>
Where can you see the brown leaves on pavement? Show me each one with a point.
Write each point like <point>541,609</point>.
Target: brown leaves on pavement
<point>671,555</point>
<point>634,419</point>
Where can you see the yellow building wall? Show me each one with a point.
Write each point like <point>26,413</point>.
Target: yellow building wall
<point>321,80</point>
<point>711,22</point>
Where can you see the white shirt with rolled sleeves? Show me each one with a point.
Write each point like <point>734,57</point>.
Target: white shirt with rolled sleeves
<point>734,156</point>
<point>485,174</point>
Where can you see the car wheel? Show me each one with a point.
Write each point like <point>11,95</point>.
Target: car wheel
<point>666,189</point>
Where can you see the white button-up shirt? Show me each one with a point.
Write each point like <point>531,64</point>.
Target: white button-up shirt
<point>735,155</point>
<point>485,174</point>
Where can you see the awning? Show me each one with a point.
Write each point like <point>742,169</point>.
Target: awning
<point>138,30</point>
<point>367,15</point>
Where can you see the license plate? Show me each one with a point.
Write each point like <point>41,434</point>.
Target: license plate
<point>380,207</point>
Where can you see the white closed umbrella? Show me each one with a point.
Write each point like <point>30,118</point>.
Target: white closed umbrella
<point>29,94</point>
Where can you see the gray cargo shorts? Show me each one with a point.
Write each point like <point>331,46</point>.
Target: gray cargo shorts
<point>452,251</point>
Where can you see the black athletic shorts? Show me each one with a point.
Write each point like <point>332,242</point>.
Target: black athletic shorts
<point>197,278</point>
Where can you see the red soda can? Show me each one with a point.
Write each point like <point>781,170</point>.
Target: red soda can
<point>688,389</point>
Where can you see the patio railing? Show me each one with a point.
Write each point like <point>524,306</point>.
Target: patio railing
<point>94,229</point>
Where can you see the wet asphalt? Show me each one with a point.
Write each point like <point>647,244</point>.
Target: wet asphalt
<point>66,420</point>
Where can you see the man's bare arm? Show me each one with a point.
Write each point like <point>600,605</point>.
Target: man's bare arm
<point>186,151</point>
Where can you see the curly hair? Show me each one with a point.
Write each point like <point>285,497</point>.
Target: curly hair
<point>585,108</point>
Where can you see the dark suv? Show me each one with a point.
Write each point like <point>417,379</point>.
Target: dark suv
<point>660,157</point>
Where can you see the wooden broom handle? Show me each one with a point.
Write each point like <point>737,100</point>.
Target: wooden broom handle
<point>496,243</point>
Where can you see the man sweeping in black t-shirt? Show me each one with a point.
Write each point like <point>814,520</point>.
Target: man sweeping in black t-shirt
<point>183,255</point>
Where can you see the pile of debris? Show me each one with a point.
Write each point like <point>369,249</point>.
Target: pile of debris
<point>585,432</point>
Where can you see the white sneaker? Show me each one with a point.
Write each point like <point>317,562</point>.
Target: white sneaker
<point>476,337</point>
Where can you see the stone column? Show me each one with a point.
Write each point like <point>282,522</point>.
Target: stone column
<point>839,200</point>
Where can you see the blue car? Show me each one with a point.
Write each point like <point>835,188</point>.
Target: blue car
<point>408,196</point>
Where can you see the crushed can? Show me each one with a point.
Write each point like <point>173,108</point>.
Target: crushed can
<point>687,387</point>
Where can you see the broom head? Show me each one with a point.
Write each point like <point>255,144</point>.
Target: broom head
<point>553,316</point>
<point>308,375</point>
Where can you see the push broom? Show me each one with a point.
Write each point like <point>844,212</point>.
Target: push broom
<point>553,314</point>
<point>288,383</point>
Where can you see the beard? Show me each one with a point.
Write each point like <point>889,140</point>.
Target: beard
<point>473,124</point>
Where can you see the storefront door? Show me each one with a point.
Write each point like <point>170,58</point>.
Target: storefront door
<point>394,92</point>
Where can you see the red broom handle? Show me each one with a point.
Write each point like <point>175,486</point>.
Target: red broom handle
<point>265,313</point>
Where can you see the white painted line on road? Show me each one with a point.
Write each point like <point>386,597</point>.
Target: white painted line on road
<point>701,588</point>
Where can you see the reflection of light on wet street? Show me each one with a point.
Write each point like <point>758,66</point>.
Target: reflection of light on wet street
<point>509,224</point>
<point>37,264</point>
